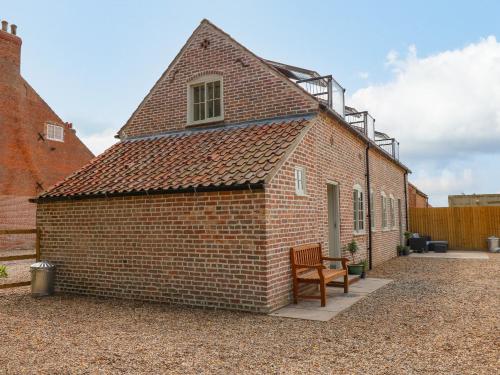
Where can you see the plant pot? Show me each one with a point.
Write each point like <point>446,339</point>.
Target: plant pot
<point>355,269</point>
<point>406,251</point>
<point>363,275</point>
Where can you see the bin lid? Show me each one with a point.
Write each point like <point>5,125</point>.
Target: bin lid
<point>493,238</point>
<point>43,265</point>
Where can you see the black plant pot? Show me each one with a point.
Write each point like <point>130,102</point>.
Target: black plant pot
<point>363,275</point>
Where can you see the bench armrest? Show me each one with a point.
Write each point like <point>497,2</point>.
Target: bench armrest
<point>343,260</point>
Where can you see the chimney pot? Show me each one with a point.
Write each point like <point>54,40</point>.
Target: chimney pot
<point>13,29</point>
<point>4,25</point>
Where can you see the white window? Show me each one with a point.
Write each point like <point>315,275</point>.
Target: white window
<point>383,202</point>
<point>391,211</point>
<point>55,132</point>
<point>358,209</point>
<point>205,100</point>
<point>300,181</point>
<point>372,209</point>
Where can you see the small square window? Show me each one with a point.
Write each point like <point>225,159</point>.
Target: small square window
<point>300,181</point>
<point>55,132</point>
<point>205,102</point>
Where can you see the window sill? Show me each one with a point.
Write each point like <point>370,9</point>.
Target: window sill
<point>205,122</point>
<point>361,233</point>
<point>54,140</point>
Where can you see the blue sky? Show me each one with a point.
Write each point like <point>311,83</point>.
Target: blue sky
<point>94,61</point>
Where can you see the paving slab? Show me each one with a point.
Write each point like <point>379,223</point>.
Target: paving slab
<point>336,301</point>
<point>453,255</point>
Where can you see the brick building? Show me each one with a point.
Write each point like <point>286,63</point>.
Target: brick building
<point>228,162</point>
<point>417,198</point>
<point>37,149</point>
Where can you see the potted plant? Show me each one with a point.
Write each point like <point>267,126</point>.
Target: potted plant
<point>407,237</point>
<point>403,250</point>
<point>354,268</point>
<point>365,268</point>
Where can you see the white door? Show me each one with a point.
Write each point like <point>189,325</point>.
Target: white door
<point>333,220</point>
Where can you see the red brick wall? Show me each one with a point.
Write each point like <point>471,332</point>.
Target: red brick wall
<point>16,213</point>
<point>389,178</point>
<point>25,158</point>
<point>330,153</point>
<point>415,199</point>
<point>251,89</point>
<point>205,249</point>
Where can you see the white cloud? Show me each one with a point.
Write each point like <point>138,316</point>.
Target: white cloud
<point>363,75</point>
<point>99,141</point>
<point>445,111</point>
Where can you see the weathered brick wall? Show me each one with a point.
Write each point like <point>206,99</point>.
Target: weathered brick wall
<point>330,153</point>
<point>389,178</point>
<point>205,249</point>
<point>251,90</point>
<point>27,159</point>
<point>16,213</point>
<point>29,162</point>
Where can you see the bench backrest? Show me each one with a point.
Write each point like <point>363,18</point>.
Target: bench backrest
<point>309,255</point>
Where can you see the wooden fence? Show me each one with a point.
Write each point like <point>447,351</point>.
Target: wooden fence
<point>462,227</point>
<point>35,255</point>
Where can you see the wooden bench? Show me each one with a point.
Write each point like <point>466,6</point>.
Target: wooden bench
<point>307,267</point>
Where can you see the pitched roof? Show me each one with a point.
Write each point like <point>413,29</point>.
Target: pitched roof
<point>197,159</point>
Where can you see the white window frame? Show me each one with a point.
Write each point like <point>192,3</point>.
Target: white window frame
<point>300,181</point>
<point>204,80</point>
<point>51,131</point>
<point>384,211</point>
<point>372,210</point>
<point>358,205</point>
<point>392,212</point>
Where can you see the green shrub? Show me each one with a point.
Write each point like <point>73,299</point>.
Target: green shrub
<point>352,248</point>
<point>3,271</point>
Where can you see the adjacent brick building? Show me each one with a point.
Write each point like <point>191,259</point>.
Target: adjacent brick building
<point>417,198</point>
<point>37,149</point>
<point>228,162</point>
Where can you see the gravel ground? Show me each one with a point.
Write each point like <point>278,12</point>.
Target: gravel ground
<point>439,316</point>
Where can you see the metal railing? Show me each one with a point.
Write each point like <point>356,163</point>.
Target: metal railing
<point>327,90</point>
<point>389,145</point>
<point>363,122</point>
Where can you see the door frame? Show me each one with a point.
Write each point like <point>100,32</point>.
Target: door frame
<point>333,213</point>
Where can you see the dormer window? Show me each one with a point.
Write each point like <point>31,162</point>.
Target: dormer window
<point>205,100</point>
<point>55,132</point>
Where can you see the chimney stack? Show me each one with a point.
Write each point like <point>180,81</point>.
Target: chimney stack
<point>10,52</point>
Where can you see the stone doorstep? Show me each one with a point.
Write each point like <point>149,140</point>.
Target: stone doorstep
<point>336,301</point>
<point>473,254</point>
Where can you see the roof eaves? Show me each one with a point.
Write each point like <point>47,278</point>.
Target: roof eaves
<point>193,189</point>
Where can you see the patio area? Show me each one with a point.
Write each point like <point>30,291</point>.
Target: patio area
<point>453,254</point>
<point>436,316</point>
<point>337,301</point>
